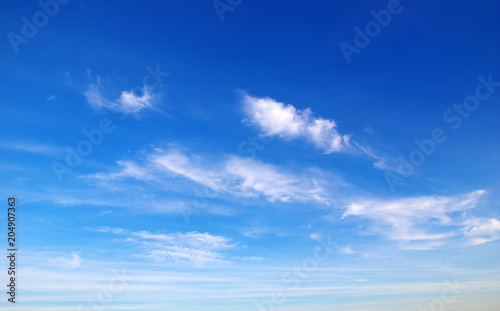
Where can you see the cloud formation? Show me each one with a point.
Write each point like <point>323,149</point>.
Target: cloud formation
<point>274,118</point>
<point>193,248</point>
<point>346,250</point>
<point>67,262</point>
<point>233,175</point>
<point>128,102</point>
<point>482,230</point>
<point>243,177</point>
<point>424,218</point>
<point>35,148</point>
<point>277,119</point>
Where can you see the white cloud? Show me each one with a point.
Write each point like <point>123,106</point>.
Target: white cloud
<point>252,258</point>
<point>254,232</point>
<point>482,230</point>
<point>252,177</point>
<point>424,245</point>
<point>51,97</point>
<point>190,239</point>
<point>225,176</point>
<point>259,231</point>
<point>34,148</point>
<point>274,118</point>
<point>67,262</point>
<point>193,248</point>
<point>416,218</point>
<point>384,162</point>
<point>128,170</point>
<point>111,230</point>
<point>159,252</point>
<point>277,119</point>
<point>346,250</point>
<point>316,236</point>
<point>242,177</point>
<point>189,166</point>
<point>128,102</point>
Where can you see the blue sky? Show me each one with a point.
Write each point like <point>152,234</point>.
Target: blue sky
<point>235,155</point>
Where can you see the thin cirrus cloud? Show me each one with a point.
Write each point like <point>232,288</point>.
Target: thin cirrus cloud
<point>127,103</point>
<point>243,177</point>
<point>277,119</point>
<point>482,230</point>
<point>346,250</point>
<point>67,262</point>
<point>193,248</point>
<point>40,149</point>
<point>429,219</point>
<point>233,175</point>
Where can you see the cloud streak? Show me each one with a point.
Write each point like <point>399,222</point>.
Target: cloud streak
<point>35,148</point>
<point>232,175</point>
<point>482,230</point>
<point>67,262</point>
<point>193,248</point>
<point>422,219</point>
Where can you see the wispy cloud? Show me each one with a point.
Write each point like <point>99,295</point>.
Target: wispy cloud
<point>424,218</point>
<point>192,248</point>
<point>128,169</point>
<point>112,230</point>
<point>252,177</point>
<point>127,102</point>
<point>70,262</point>
<point>260,231</point>
<point>346,250</point>
<point>316,236</point>
<point>233,175</point>
<point>35,148</point>
<point>244,177</point>
<point>482,230</point>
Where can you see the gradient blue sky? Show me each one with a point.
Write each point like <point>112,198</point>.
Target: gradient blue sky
<point>244,163</point>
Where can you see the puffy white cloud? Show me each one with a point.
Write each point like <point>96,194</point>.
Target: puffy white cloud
<point>275,118</point>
